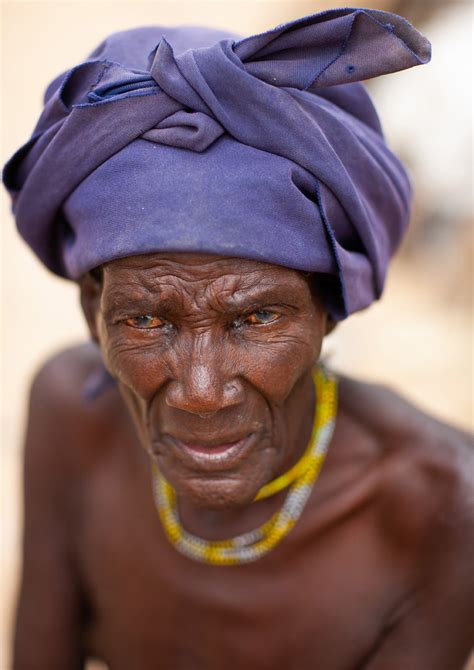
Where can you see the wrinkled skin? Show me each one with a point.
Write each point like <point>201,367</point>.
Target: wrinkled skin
<point>207,351</point>
<point>208,371</point>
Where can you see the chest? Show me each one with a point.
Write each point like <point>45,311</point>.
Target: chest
<point>320,599</point>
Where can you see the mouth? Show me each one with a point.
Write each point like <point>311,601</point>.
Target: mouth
<point>212,456</point>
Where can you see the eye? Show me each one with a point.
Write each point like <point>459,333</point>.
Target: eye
<point>260,317</point>
<point>145,322</point>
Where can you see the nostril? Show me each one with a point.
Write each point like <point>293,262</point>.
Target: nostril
<point>232,390</point>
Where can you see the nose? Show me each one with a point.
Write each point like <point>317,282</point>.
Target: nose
<point>203,389</point>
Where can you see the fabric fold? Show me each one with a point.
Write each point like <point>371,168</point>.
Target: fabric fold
<point>281,115</point>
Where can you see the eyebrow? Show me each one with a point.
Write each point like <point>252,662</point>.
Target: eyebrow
<point>118,303</point>
<point>262,295</point>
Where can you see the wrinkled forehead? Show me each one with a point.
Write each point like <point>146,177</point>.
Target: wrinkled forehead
<point>198,275</point>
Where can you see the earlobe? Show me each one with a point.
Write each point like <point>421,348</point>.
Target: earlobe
<point>90,286</point>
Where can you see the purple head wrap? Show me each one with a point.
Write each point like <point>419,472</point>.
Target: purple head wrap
<point>188,139</point>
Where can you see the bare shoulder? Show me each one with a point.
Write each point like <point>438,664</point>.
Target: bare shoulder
<point>405,432</point>
<point>67,437</point>
<point>425,467</point>
<point>72,419</point>
<point>63,377</point>
<point>423,507</point>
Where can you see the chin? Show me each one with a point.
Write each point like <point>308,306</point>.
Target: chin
<point>217,494</point>
<point>216,478</point>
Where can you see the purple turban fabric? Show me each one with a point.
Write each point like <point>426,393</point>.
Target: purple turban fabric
<point>188,139</point>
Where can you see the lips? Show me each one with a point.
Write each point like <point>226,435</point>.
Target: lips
<point>213,456</point>
<point>209,448</point>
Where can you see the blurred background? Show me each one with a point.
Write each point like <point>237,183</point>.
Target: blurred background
<point>418,339</point>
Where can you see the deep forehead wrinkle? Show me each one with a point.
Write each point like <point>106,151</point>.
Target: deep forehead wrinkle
<point>194,276</point>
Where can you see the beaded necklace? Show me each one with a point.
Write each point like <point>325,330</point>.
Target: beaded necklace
<point>301,478</point>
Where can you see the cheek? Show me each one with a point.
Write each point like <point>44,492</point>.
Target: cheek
<point>275,366</point>
<point>138,363</point>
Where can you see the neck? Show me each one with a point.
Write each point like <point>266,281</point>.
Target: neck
<point>212,524</point>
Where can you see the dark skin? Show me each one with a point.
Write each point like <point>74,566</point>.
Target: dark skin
<point>377,573</point>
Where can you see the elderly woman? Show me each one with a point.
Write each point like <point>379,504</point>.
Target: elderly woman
<point>202,493</point>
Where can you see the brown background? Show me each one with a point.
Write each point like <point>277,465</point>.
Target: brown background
<point>418,339</point>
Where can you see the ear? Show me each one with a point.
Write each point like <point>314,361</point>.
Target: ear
<point>90,286</point>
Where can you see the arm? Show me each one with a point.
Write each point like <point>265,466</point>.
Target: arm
<point>435,632</point>
<point>435,628</point>
<point>47,631</point>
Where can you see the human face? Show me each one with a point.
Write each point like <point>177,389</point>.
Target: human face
<point>213,356</point>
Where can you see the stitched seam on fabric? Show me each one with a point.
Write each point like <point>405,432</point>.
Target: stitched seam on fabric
<point>295,25</point>
<point>70,73</point>
<point>99,78</point>
<point>107,101</point>
<point>392,32</point>
<point>343,48</point>
<point>332,240</point>
<point>390,29</point>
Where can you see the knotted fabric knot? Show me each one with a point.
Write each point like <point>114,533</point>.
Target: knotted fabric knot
<point>266,147</point>
<point>187,130</point>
